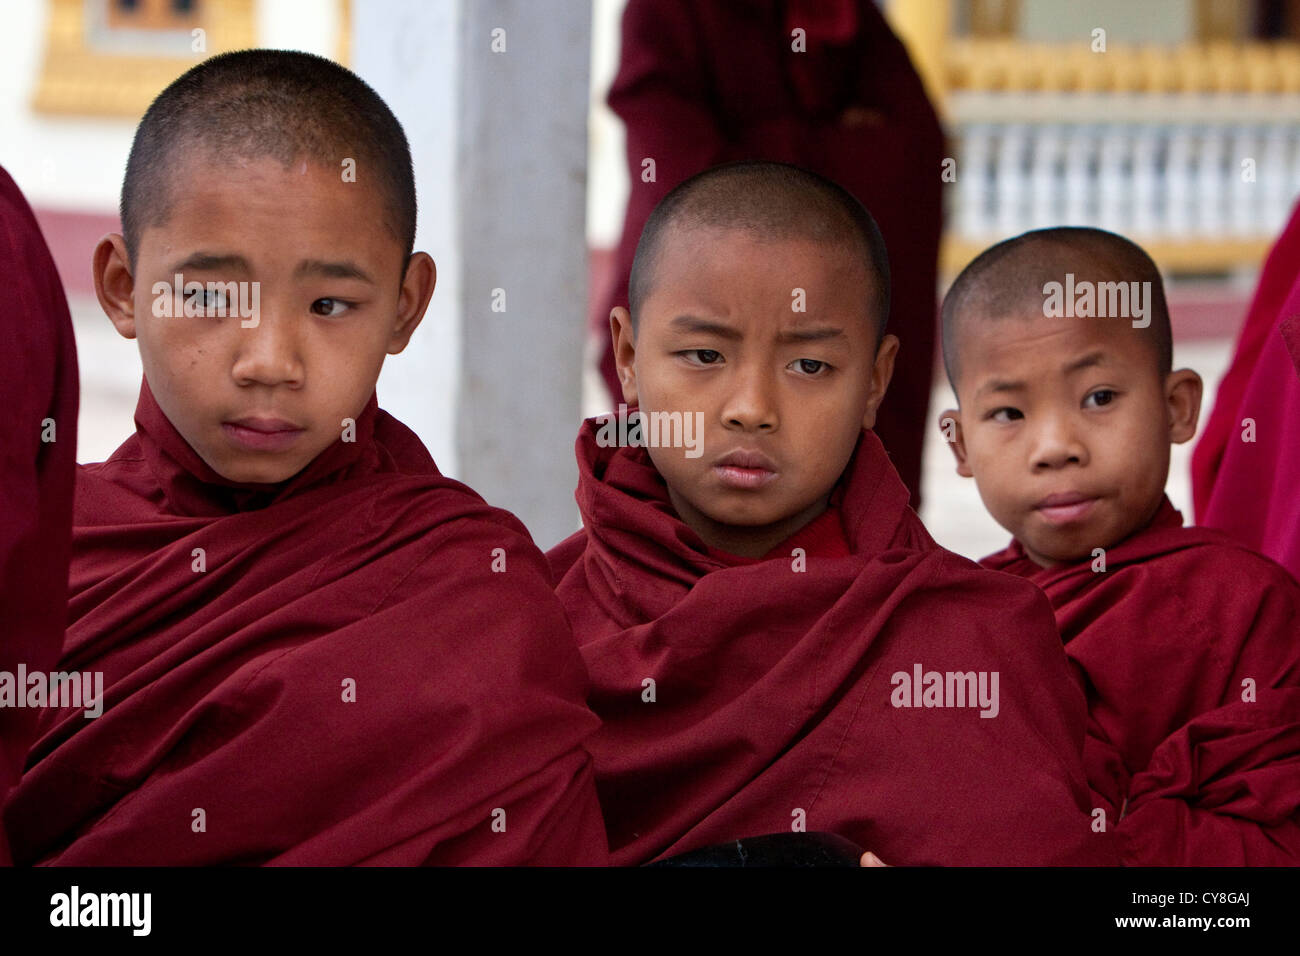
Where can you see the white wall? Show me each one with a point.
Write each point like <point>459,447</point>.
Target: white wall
<point>77,163</point>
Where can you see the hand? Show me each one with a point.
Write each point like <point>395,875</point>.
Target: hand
<point>870,859</point>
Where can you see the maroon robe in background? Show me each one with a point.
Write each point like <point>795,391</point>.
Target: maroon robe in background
<point>36,476</point>
<point>700,84</point>
<point>1161,642</point>
<point>225,687</point>
<point>773,685</point>
<point>1251,489</point>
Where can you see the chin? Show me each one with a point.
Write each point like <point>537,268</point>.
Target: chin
<point>739,518</point>
<point>748,519</point>
<point>255,475</point>
<point>1063,551</point>
<point>1067,557</point>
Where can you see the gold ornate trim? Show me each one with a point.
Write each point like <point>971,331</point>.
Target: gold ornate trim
<point>83,75</point>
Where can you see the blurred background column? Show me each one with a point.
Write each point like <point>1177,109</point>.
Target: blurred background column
<point>493,94</point>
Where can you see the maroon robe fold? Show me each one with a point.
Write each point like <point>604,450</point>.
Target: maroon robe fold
<point>226,688</point>
<point>774,687</point>
<point>1251,489</point>
<point>1161,642</point>
<point>701,84</point>
<point>39,386</point>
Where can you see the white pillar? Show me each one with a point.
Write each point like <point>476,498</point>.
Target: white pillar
<point>499,141</point>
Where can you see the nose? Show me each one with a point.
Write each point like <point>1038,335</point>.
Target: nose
<point>270,352</point>
<point>751,404</point>
<point>1057,444</point>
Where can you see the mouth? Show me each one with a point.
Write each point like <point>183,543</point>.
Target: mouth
<point>262,434</point>
<point>1065,507</point>
<point>745,469</point>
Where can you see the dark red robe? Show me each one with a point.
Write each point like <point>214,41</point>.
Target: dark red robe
<point>773,687</point>
<point>700,84</point>
<point>1251,489</point>
<point>39,387</point>
<point>226,688</point>
<point>1161,642</point>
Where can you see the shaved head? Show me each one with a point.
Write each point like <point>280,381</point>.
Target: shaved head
<point>1008,279</point>
<point>268,104</point>
<point>771,201</point>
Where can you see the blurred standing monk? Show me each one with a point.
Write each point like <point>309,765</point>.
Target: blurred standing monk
<point>38,446</point>
<point>822,84</point>
<point>1246,467</point>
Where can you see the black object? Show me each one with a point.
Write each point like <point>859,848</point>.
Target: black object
<point>773,849</point>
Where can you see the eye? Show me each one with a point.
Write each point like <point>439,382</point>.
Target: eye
<point>702,356</point>
<point>1005,414</point>
<point>1104,396</point>
<point>210,301</point>
<point>329,307</point>
<point>810,367</point>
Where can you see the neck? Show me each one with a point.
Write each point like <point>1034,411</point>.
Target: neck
<point>746,541</point>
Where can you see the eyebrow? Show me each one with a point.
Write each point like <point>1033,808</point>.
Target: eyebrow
<point>1000,385</point>
<point>207,262</point>
<point>211,262</point>
<point>1090,360</point>
<point>810,335</point>
<point>691,323</point>
<point>332,270</point>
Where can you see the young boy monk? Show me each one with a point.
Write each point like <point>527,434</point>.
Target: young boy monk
<point>774,640</point>
<point>314,648</point>
<point>1057,344</point>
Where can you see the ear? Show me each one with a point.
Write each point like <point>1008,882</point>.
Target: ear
<point>413,299</point>
<point>882,370</point>
<point>620,330</point>
<point>1183,390</point>
<point>114,283</point>
<point>950,425</point>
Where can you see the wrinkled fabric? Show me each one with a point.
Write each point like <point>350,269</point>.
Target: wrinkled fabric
<point>39,394</point>
<point>1246,465</point>
<point>1187,647</point>
<point>360,665</point>
<point>771,704</point>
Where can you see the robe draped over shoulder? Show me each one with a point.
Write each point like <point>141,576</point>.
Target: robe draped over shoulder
<point>1187,647</point>
<point>761,697</point>
<point>38,456</point>
<point>362,665</point>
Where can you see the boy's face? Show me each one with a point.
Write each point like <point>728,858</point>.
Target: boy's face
<point>784,393</point>
<point>1065,424</point>
<point>259,397</point>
